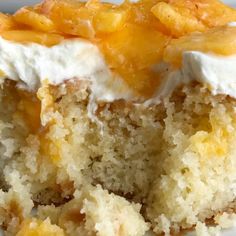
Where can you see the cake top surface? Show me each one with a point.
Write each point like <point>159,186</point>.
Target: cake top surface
<point>133,37</point>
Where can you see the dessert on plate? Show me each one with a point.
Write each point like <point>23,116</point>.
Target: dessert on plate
<point>117,119</point>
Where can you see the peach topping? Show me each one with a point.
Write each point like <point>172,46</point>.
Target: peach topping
<point>132,36</point>
<point>220,40</point>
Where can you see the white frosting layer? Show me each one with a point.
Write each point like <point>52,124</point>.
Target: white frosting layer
<point>30,64</point>
<point>217,73</point>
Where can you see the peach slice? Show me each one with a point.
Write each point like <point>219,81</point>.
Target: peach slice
<point>135,46</point>
<point>179,22</point>
<point>35,20</point>
<point>131,52</point>
<point>109,20</point>
<point>73,18</point>
<point>6,22</point>
<point>185,16</point>
<point>28,36</point>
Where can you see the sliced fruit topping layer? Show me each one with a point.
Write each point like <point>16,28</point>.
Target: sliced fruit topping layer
<point>220,40</point>
<point>185,16</point>
<point>132,36</point>
<point>24,36</point>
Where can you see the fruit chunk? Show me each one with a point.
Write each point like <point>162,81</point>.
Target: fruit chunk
<point>220,40</point>
<point>85,20</point>
<point>29,17</point>
<point>139,13</point>
<point>71,17</point>
<point>35,227</point>
<point>131,52</point>
<point>110,20</point>
<point>27,36</point>
<point>134,46</point>
<point>179,22</point>
<point>185,16</point>
<point>212,12</point>
<point>6,22</point>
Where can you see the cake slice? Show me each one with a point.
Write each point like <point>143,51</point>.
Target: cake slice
<point>117,119</point>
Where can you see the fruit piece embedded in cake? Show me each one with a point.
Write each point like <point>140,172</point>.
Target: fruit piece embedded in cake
<point>117,119</point>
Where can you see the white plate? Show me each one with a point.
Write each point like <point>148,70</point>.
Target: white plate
<point>12,5</point>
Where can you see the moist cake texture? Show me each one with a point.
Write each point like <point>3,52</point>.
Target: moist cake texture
<point>117,120</point>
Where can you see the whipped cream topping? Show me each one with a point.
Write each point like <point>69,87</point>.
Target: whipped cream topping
<point>30,64</point>
<point>232,24</point>
<point>217,73</point>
